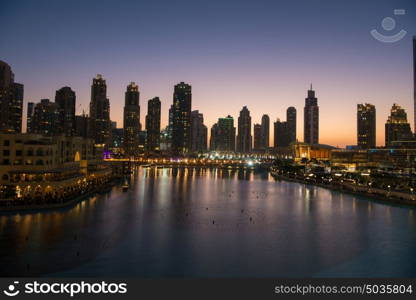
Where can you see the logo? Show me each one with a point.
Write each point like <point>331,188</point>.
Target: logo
<point>388,24</point>
<point>11,290</point>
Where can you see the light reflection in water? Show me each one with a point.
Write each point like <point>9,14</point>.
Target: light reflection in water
<point>207,222</point>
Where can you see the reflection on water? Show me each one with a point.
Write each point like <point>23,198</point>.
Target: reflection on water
<point>202,222</point>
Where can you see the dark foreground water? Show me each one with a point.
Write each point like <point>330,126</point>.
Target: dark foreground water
<point>212,223</point>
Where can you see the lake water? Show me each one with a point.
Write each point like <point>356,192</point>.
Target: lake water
<point>212,223</point>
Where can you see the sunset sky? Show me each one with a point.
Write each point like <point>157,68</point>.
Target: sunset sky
<point>263,54</point>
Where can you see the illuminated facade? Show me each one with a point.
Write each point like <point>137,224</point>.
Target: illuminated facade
<point>265,132</point>
<point>100,127</point>
<point>11,101</point>
<point>223,135</point>
<point>131,120</point>
<point>181,119</point>
<point>366,126</point>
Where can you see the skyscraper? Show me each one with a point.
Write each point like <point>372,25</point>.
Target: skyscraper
<point>65,99</point>
<point>199,132</point>
<point>153,125</point>
<point>366,126</point>
<point>131,120</point>
<point>258,145</point>
<point>29,116</point>
<point>244,138</point>
<point>397,128</point>
<point>81,125</point>
<point>281,134</point>
<point>265,132</point>
<point>46,119</point>
<point>11,100</point>
<point>414,81</point>
<point>223,135</point>
<point>311,118</point>
<point>181,118</point>
<point>291,123</point>
<point>100,127</point>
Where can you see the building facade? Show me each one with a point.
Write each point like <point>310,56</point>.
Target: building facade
<point>244,138</point>
<point>366,126</point>
<point>131,119</point>
<point>100,127</point>
<point>153,125</point>
<point>181,118</point>
<point>65,99</point>
<point>311,118</point>
<point>397,128</point>
<point>11,101</point>
<point>265,132</point>
<point>46,118</point>
<point>258,145</point>
<point>199,132</point>
<point>223,135</point>
<point>291,123</point>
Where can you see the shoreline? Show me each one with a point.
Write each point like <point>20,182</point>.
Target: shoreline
<point>51,206</point>
<point>356,190</point>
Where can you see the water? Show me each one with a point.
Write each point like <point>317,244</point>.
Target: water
<point>212,223</point>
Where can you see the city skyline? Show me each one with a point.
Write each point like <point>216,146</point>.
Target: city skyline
<point>268,74</point>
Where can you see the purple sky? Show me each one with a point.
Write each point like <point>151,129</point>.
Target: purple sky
<point>263,54</point>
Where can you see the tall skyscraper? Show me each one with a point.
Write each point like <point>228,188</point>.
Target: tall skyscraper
<point>199,132</point>
<point>366,126</point>
<point>244,138</point>
<point>223,135</point>
<point>100,127</point>
<point>46,118</point>
<point>11,101</point>
<point>311,118</point>
<point>131,120</point>
<point>258,145</point>
<point>397,128</point>
<point>414,81</point>
<point>65,99</point>
<point>281,134</point>
<point>153,125</point>
<point>181,118</point>
<point>29,116</point>
<point>291,123</point>
<point>265,132</point>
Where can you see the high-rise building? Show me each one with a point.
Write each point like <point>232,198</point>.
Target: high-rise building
<point>100,127</point>
<point>281,134</point>
<point>29,116</point>
<point>244,138</point>
<point>181,118</point>
<point>81,125</point>
<point>265,132</point>
<point>414,81</point>
<point>311,118</point>
<point>291,123</point>
<point>65,99</point>
<point>46,118</point>
<point>397,128</point>
<point>131,120</point>
<point>366,126</point>
<point>11,101</point>
<point>199,132</point>
<point>223,135</point>
<point>258,145</point>
<point>153,125</point>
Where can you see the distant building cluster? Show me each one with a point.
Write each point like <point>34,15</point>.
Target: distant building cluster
<point>186,133</point>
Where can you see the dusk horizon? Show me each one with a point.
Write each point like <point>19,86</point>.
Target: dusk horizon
<point>263,56</point>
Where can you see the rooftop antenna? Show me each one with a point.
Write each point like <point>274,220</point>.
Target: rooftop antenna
<point>311,87</point>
